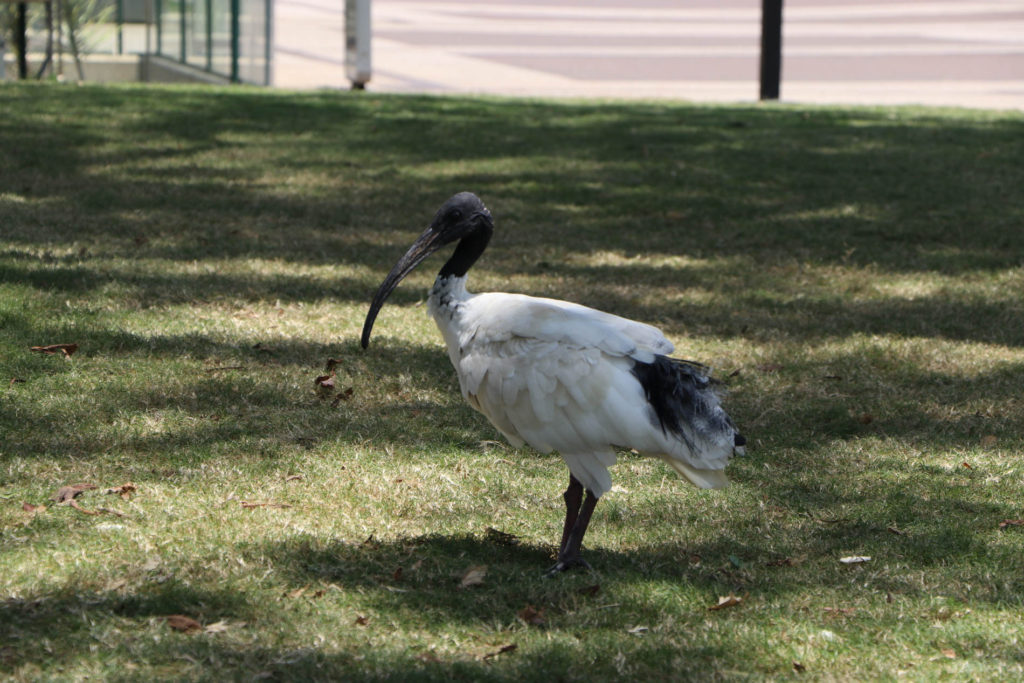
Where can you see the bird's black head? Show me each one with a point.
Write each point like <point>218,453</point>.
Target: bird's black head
<point>462,218</point>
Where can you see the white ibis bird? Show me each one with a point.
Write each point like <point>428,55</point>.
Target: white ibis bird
<point>564,377</point>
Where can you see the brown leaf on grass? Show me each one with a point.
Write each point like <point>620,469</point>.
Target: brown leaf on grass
<point>179,622</point>
<point>531,616</point>
<point>473,576</point>
<point>362,621</point>
<point>967,465</point>
<point>948,653</point>
<point>29,507</point>
<point>293,477</point>
<point>66,349</point>
<point>297,593</point>
<point>16,380</point>
<point>511,647</point>
<point>501,537</point>
<point>894,530</point>
<point>726,601</point>
<point>324,385</point>
<point>331,364</point>
<point>66,493</point>
<point>74,503</point>
<point>247,505</point>
<point>124,490</point>
<point>1006,523</point>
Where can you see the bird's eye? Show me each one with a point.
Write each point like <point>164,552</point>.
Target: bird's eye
<point>455,215</point>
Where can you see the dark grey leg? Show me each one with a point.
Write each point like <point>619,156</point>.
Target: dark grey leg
<point>573,497</point>
<point>569,555</point>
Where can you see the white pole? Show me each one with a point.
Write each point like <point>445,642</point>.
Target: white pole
<point>357,42</point>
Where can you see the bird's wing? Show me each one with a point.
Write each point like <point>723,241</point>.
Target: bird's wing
<point>500,317</point>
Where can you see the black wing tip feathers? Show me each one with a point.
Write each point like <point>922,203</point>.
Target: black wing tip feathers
<point>682,396</point>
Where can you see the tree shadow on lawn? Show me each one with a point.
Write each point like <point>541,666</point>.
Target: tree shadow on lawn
<point>58,631</point>
<point>823,184</point>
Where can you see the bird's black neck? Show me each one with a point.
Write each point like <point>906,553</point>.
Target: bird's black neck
<point>467,251</point>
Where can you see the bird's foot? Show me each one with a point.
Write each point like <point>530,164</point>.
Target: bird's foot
<point>567,563</point>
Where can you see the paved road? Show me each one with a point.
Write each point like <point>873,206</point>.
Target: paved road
<point>965,52</point>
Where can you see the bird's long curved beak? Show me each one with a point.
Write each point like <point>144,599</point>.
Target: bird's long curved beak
<point>426,244</point>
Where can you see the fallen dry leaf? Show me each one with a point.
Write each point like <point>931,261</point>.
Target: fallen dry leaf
<point>473,576</point>
<point>29,507</point>
<point>297,593</point>
<point>332,363</point>
<point>362,621</point>
<point>250,505</point>
<point>16,380</point>
<point>726,601</point>
<point>511,647</point>
<point>967,465</point>
<point>124,490</point>
<point>531,616</point>
<point>293,477</point>
<point>66,349</point>
<point>179,622</point>
<point>66,493</point>
<point>799,668</point>
<point>1011,522</point>
<point>948,653</point>
<point>855,559</point>
<point>98,511</point>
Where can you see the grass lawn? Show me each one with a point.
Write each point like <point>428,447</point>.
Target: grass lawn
<point>855,276</point>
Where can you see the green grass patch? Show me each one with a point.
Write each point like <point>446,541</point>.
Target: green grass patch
<point>855,275</point>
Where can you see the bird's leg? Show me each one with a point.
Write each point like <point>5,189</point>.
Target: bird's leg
<point>573,498</point>
<point>569,555</point>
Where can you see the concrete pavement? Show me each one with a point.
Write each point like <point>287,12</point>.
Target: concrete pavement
<point>960,53</point>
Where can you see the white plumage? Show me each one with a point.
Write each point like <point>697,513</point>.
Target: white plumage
<point>563,377</point>
<point>558,376</point>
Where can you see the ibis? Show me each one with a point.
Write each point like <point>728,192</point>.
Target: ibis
<point>564,377</point>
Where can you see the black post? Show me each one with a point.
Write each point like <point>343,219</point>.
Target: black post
<point>22,43</point>
<point>771,48</point>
